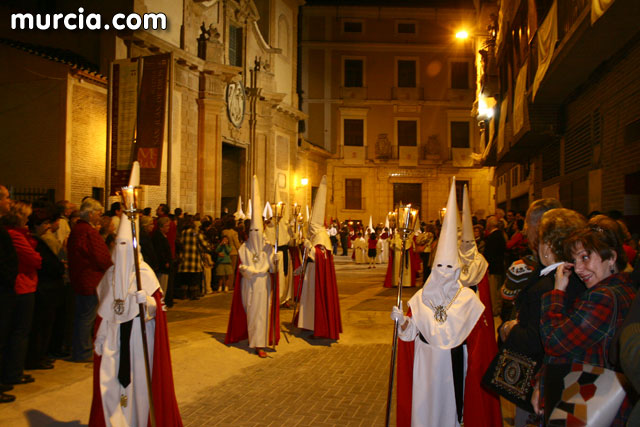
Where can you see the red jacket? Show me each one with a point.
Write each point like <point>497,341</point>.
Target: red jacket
<point>29,261</point>
<point>88,256</point>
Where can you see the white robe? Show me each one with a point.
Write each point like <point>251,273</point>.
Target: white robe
<point>360,246</point>
<point>397,254</point>
<point>306,316</point>
<point>434,402</point>
<point>256,292</point>
<point>107,345</point>
<point>136,412</point>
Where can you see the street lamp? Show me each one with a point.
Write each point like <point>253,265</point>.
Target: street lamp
<point>462,35</point>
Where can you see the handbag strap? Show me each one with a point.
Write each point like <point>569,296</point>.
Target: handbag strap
<point>612,326</point>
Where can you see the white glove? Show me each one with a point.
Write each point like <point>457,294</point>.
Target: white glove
<point>278,256</point>
<point>397,314</point>
<point>307,244</point>
<point>141,297</point>
<point>246,271</point>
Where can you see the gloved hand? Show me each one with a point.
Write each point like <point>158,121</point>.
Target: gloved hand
<point>307,244</point>
<point>246,271</point>
<point>141,297</point>
<point>297,271</point>
<point>397,314</point>
<point>278,256</point>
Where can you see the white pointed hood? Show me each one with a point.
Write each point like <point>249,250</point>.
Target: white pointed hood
<point>255,241</point>
<point>319,235</point>
<point>250,212</point>
<point>474,265</point>
<point>386,224</point>
<point>443,310</point>
<point>239,214</point>
<point>267,213</point>
<point>119,282</point>
<point>442,283</point>
<point>370,228</point>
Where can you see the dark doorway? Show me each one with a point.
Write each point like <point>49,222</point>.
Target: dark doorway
<point>632,202</point>
<point>407,193</point>
<point>233,171</point>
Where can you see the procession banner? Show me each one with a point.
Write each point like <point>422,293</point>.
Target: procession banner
<point>138,118</point>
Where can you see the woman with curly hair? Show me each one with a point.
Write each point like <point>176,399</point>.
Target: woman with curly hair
<point>581,330</point>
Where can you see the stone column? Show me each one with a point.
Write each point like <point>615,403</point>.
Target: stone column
<point>210,156</point>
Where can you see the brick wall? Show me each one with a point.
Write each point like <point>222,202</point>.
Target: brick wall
<point>32,122</point>
<point>88,119</point>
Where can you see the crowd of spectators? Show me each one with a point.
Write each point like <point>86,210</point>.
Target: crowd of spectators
<point>53,256</point>
<point>562,286</point>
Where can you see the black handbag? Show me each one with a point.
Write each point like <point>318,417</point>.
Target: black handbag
<point>510,375</point>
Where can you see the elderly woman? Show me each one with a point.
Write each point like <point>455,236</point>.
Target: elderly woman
<point>89,258</point>
<point>29,262</point>
<point>581,330</point>
<point>547,230</point>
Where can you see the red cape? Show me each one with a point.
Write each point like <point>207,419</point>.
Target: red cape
<point>327,320</point>
<point>237,328</point>
<point>481,407</point>
<point>164,397</point>
<point>294,255</point>
<point>414,260</point>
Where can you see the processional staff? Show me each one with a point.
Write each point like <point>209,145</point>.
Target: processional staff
<point>305,260</point>
<point>129,197</point>
<point>404,218</point>
<point>277,215</point>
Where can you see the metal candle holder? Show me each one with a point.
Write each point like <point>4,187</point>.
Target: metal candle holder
<point>404,218</point>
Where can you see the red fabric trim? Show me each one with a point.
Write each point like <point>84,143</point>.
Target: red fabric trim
<point>481,407</point>
<point>237,328</point>
<point>404,381</point>
<point>294,255</point>
<point>327,320</point>
<point>387,278</point>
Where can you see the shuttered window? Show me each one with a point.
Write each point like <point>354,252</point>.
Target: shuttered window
<point>577,146</point>
<point>353,194</point>
<point>235,46</point>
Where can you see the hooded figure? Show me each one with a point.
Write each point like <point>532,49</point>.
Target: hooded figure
<point>285,235</point>
<point>238,215</point>
<point>411,260</point>
<point>319,304</point>
<point>482,408</point>
<point>120,394</point>
<point>432,359</point>
<point>252,309</point>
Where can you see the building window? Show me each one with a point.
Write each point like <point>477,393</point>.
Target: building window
<point>235,46</point>
<point>407,133</point>
<point>352,27</point>
<point>354,132</point>
<point>459,192</point>
<point>460,75</point>
<point>406,73</point>
<point>406,27</point>
<point>353,194</point>
<point>460,135</point>
<point>353,72</point>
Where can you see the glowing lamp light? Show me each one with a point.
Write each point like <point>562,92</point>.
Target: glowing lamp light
<point>304,181</point>
<point>485,107</point>
<point>462,35</point>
